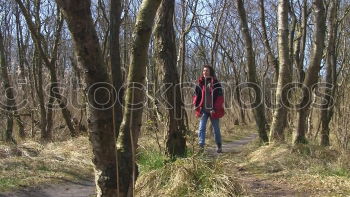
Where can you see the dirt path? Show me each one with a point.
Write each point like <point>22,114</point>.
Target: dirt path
<point>263,187</point>
<point>231,147</point>
<point>68,189</point>
<point>255,186</point>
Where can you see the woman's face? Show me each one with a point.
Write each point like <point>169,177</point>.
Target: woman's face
<point>206,72</point>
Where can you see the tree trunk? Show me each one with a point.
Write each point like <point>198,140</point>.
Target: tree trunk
<point>271,58</point>
<point>102,135</point>
<point>115,63</point>
<point>291,35</point>
<point>10,99</point>
<point>181,56</point>
<point>238,94</point>
<point>311,77</point>
<point>327,108</point>
<point>38,85</point>
<point>284,78</point>
<point>165,52</point>
<point>134,100</point>
<point>258,105</point>
<point>126,38</point>
<point>217,28</point>
<point>22,75</point>
<point>301,43</point>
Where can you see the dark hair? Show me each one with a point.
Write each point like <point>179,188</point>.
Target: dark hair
<point>211,70</point>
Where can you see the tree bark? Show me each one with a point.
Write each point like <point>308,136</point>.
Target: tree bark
<point>284,78</point>
<point>216,34</point>
<point>38,86</point>
<point>301,43</point>
<point>135,96</point>
<point>102,135</point>
<point>165,52</point>
<point>311,77</point>
<point>115,62</point>
<point>182,50</point>
<point>10,100</point>
<point>331,61</point>
<point>259,109</point>
<point>271,58</point>
<point>22,75</point>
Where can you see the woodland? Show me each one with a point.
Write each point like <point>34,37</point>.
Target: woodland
<point>101,90</point>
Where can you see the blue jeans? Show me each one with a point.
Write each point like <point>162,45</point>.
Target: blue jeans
<point>202,128</point>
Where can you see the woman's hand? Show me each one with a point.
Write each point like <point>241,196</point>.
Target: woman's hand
<point>211,112</point>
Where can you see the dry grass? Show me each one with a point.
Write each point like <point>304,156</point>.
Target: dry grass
<point>194,176</point>
<point>308,168</point>
<point>31,163</point>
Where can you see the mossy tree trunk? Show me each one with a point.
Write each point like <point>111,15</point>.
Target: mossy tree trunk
<point>135,97</point>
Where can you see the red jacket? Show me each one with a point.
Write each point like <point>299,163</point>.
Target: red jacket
<point>217,94</point>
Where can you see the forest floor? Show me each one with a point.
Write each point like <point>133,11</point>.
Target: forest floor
<point>240,158</point>
<point>68,189</point>
<point>253,184</point>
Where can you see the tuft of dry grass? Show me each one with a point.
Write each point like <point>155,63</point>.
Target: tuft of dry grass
<point>31,163</point>
<point>194,176</point>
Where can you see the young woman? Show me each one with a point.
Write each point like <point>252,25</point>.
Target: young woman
<point>208,101</point>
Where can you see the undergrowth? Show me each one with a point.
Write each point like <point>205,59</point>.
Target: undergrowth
<point>32,164</point>
<point>309,168</point>
<point>192,176</point>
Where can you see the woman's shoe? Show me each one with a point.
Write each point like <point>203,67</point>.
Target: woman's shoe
<point>219,150</point>
<point>201,148</point>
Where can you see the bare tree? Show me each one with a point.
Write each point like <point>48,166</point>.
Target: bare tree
<point>285,75</point>
<point>50,63</point>
<point>10,105</point>
<point>331,78</point>
<point>311,77</point>
<point>185,30</point>
<point>134,100</point>
<point>102,135</point>
<point>300,47</point>
<point>272,60</point>
<point>259,109</point>
<point>115,61</point>
<point>165,52</point>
